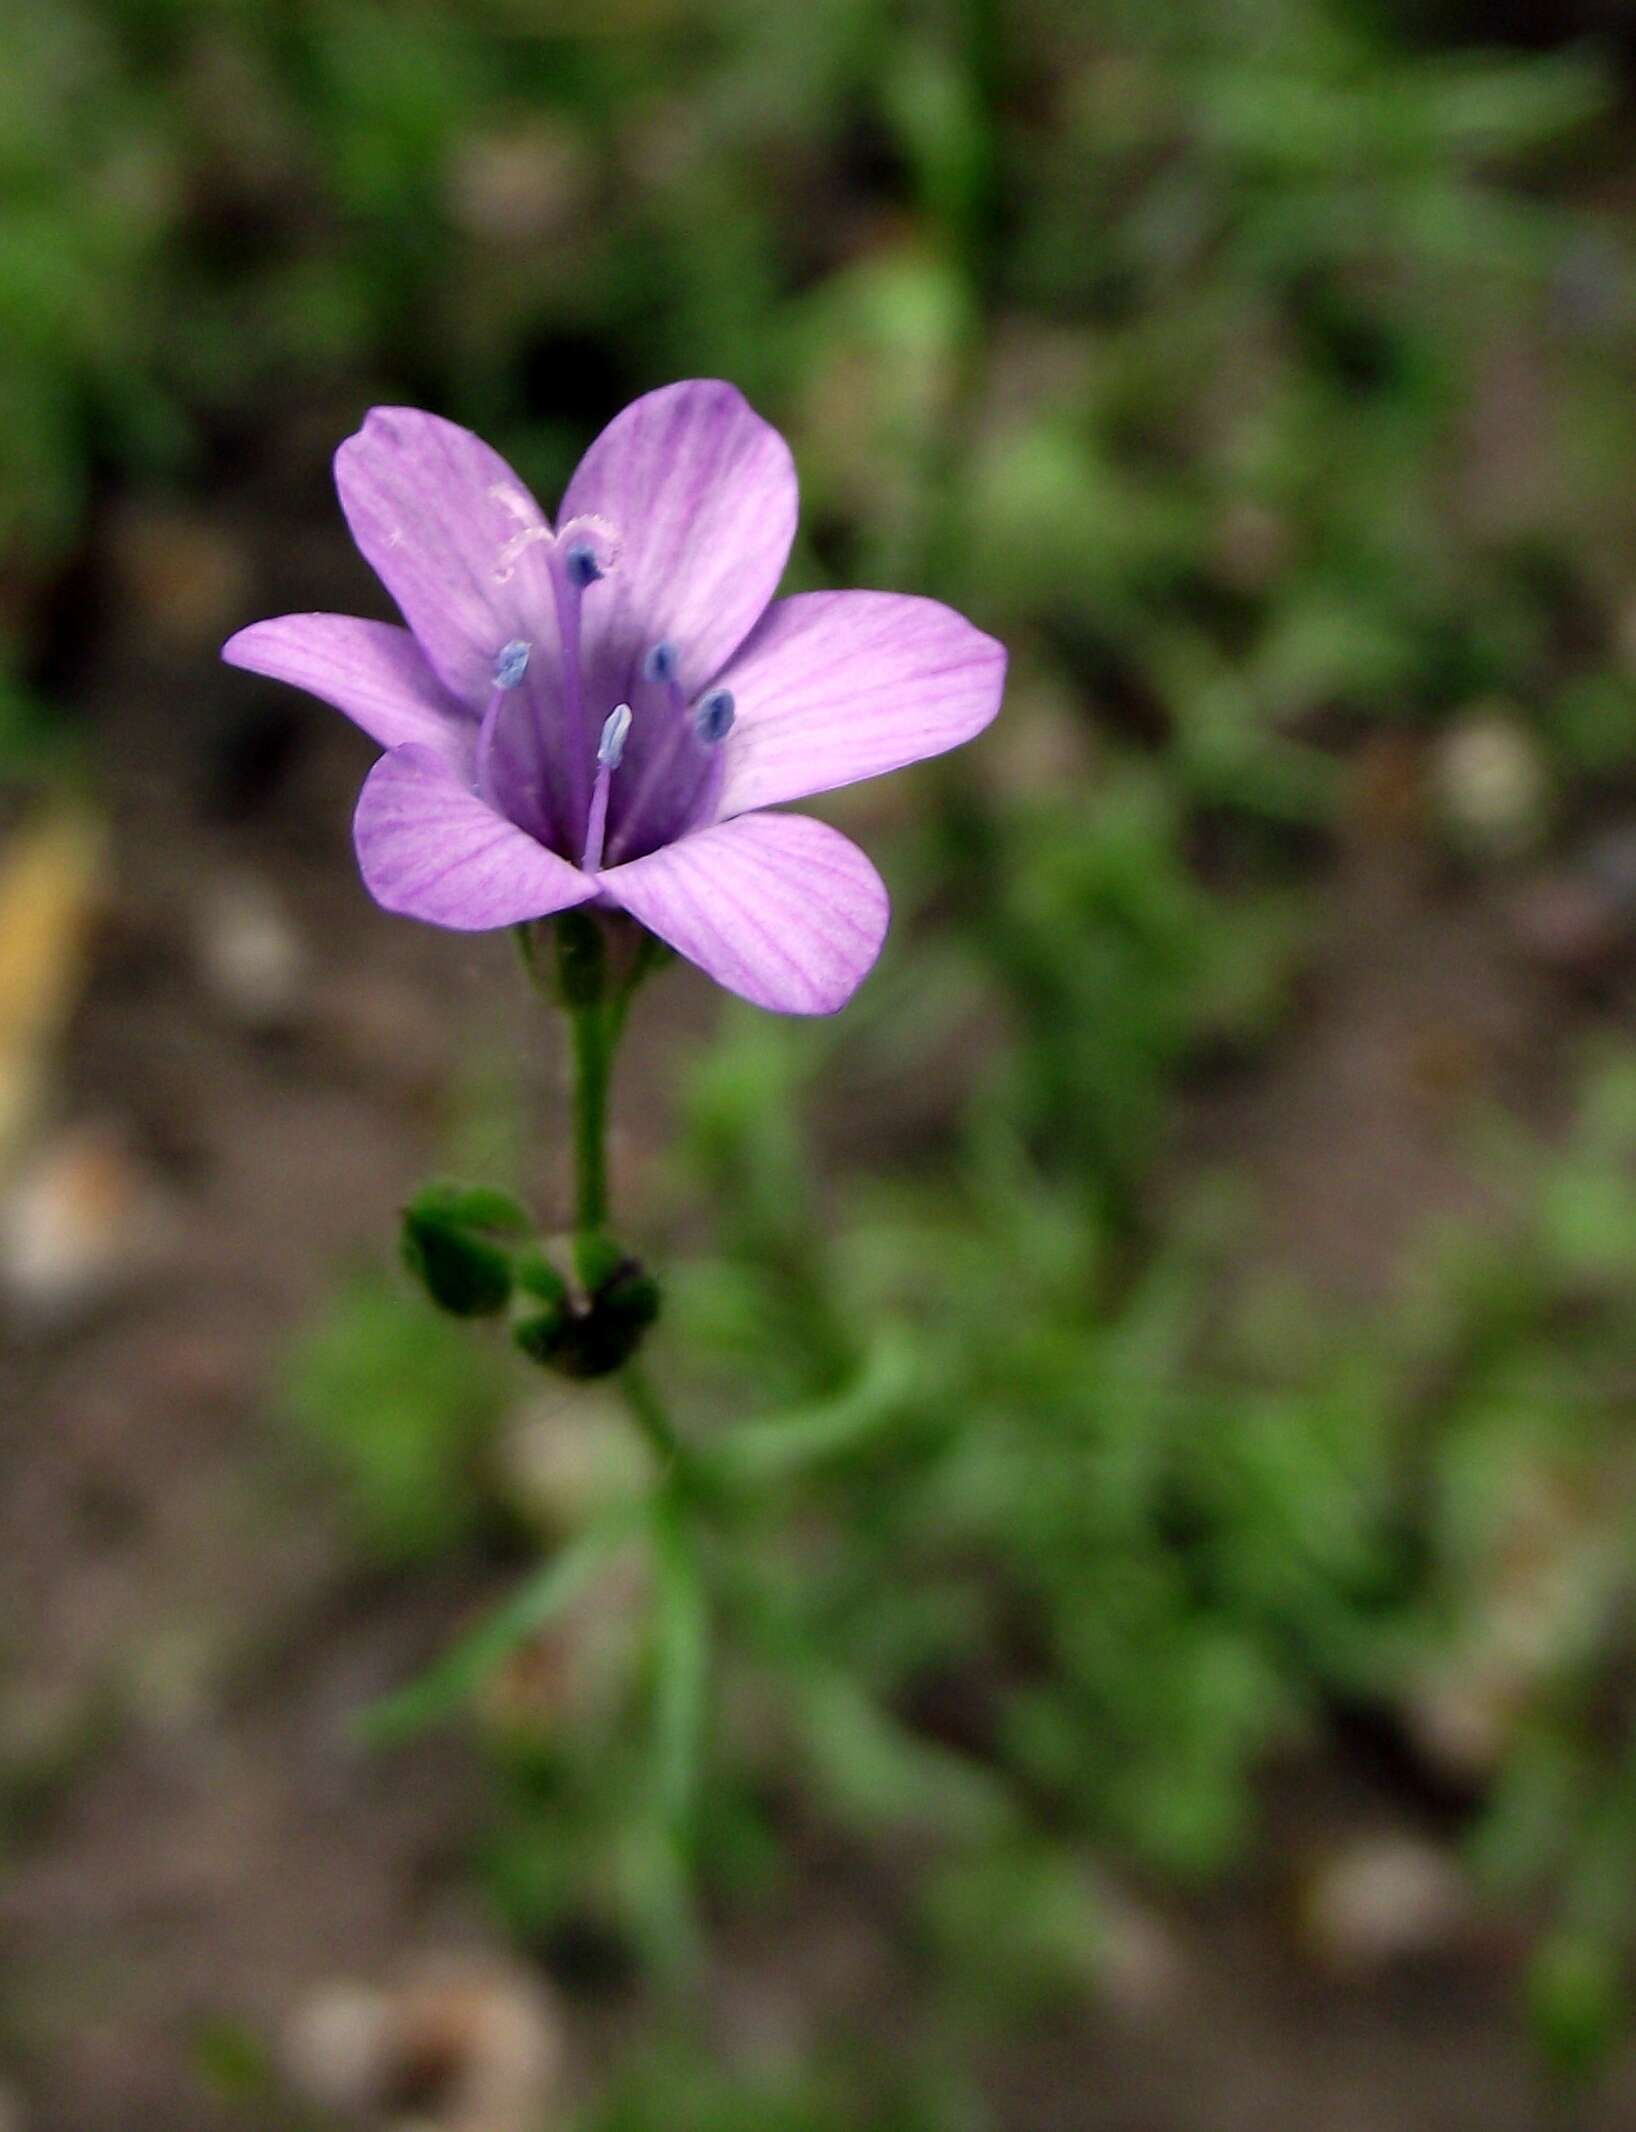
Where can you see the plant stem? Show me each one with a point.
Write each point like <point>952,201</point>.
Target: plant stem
<point>582,988</point>
<point>596,1010</point>
<point>593,1060</point>
<point>648,1412</point>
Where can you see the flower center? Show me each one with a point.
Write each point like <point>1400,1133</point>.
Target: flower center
<point>672,767</point>
<point>537,762</point>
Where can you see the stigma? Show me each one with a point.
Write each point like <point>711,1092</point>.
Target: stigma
<point>610,750</point>
<point>616,727</point>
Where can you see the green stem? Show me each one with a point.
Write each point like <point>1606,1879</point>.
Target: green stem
<point>593,1020</point>
<point>647,1410</point>
<point>593,1062</point>
<point>596,1010</point>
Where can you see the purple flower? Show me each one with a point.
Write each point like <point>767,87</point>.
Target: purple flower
<point>602,713</point>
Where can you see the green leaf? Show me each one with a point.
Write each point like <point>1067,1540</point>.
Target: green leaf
<point>780,1444</point>
<point>448,1232</point>
<point>450,1682</point>
<point>463,1273</point>
<point>682,1661</point>
<point>472,1206</point>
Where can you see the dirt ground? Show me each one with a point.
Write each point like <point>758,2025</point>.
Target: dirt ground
<point>188,1635</point>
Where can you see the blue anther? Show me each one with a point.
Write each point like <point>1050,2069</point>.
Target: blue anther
<point>713,720</point>
<point>660,663</point>
<point>581,565</point>
<point>512,664</point>
<point>611,746</point>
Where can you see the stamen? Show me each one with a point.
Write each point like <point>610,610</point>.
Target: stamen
<point>713,719</point>
<point>507,771</point>
<point>580,562</point>
<point>512,664</point>
<point>660,663</point>
<point>609,750</point>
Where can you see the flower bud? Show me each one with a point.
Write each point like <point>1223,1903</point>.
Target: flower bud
<point>539,1331</point>
<point>599,1330</point>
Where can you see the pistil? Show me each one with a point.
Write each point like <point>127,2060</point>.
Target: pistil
<point>609,750</point>
<point>670,758</point>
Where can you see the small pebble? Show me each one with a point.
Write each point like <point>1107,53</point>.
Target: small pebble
<point>338,2047</point>
<point>517,187</point>
<point>567,1457</point>
<point>462,2045</point>
<point>250,954</point>
<point>1492,785</point>
<point>1547,1574</point>
<point>73,1227</point>
<point>1142,1970</point>
<point>1381,1899</point>
<point>1463,1720</point>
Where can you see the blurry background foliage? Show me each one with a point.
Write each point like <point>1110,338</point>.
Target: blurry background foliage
<point>1262,374</point>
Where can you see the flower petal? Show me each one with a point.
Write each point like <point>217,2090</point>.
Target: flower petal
<point>429,848</point>
<point>374,671</point>
<point>703,495</point>
<point>454,536</point>
<point>836,686</point>
<point>778,908</point>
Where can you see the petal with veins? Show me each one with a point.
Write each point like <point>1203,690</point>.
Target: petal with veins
<point>455,537</point>
<point>429,848</point>
<point>374,671</point>
<point>836,686</point>
<point>704,495</point>
<point>781,909</point>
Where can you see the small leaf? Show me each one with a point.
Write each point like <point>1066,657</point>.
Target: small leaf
<point>461,1272</point>
<point>597,1258</point>
<point>472,1206</point>
<point>450,1682</point>
<point>536,1276</point>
